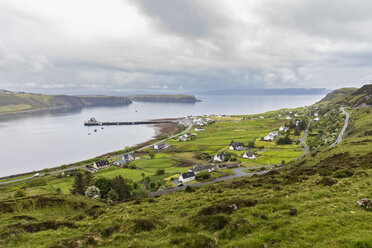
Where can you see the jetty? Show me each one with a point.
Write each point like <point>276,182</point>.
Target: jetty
<point>93,122</point>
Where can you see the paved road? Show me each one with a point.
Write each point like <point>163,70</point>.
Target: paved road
<point>32,177</point>
<point>238,172</point>
<point>339,138</point>
<point>83,166</point>
<point>303,140</point>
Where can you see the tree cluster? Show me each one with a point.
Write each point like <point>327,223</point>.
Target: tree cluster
<point>116,189</point>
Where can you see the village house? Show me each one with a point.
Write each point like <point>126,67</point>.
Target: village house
<point>283,129</point>
<point>232,166</point>
<point>288,118</point>
<point>261,117</point>
<point>270,136</point>
<point>316,119</point>
<point>199,129</point>
<point>221,166</point>
<point>128,157</point>
<point>161,146</point>
<point>237,146</point>
<point>220,157</point>
<point>101,164</point>
<point>199,168</point>
<point>120,162</point>
<point>249,155</point>
<point>186,177</point>
<point>184,137</point>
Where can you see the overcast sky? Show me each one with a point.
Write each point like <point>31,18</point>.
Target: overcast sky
<point>183,45</point>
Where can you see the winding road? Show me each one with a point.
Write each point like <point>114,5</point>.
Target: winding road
<point>339,138</point>
<point>238,172</point>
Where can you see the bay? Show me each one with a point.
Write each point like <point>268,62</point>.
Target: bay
<point>46,139</point>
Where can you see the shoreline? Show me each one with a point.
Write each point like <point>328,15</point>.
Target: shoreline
<point>161,130</point>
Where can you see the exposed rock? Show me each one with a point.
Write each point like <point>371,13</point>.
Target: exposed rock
<point>365,203</point>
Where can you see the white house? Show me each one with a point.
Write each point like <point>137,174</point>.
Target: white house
<point>237,146</point>
<point>161,146</point>
<point>283,129</point>
<point>315,114</point>
<point>128,157</point>
<point>199,129</point>
<point>316,119</point>
<point>270,136</point>
<point>261,117</point>
<point>199,168</point>
<point>186,177</point>
<point>101,164</point>
<point>249,155</point>
<point>288,118</point>
<point>184,137</point>
<point>220,157</point>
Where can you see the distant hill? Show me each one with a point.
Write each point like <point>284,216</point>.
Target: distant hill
<point>15,102</point>
<point>353,97</point>
<point>163,98</point>
<point>19,102</point>
<point>285,91</point>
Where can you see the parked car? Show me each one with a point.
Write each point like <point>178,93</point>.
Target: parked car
<point>180,185</point>
<point>36,175</point>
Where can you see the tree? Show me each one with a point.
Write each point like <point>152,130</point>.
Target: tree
<point>88,178</point>
<point>160,172</point>
<point>121,187</point>
<point>79,185</point>
<point>104,186</point>
<point>152,154</point>
<point>93,192</point>
<point>112,196</point>
<point>297,131</point>
<point>251,144</point>
<point>284,141</point>
<point>302,125</point>
<point>143,176</point>
<point>147,182</point>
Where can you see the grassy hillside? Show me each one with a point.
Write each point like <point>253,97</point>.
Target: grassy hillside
<point>17,102</point>
<point>309,202</point>
<point>350,96</point>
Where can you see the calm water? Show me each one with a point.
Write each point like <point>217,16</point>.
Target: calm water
<point>52,138</point>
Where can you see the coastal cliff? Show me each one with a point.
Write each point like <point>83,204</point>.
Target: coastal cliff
<point>19,102</point>
<point>22,102</point>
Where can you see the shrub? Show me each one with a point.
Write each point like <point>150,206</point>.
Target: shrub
<point>204,175</point>
<point>343,173</point>
<point>194,241</point>
<point>144,225</point>
<point>293,212</point>
<point>189,189</point>
<point>327,181</point>
<point>93,192</point>
<point>211,222</point>
<point>20,193</point>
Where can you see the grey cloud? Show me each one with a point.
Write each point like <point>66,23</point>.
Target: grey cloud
<point>181,16</point>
